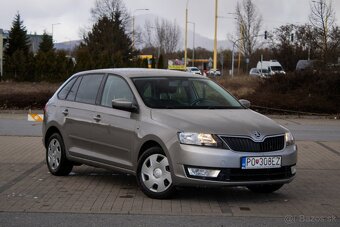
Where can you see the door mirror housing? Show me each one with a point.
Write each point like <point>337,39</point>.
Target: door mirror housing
<point>126,105</point>
<point>244,103</point>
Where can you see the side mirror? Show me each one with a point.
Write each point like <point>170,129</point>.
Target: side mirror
<point>244,103</point>
<point>123,104</point>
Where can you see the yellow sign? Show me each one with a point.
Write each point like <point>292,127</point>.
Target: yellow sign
<point>35,117</point>
<point>145,56</point>
<point>176,67</point>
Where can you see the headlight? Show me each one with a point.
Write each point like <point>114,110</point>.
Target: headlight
<point>200,139</point>
<point>289,139</point>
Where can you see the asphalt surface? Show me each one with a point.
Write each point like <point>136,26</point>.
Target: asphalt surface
<point>84,220</point>
<point>30,196</point>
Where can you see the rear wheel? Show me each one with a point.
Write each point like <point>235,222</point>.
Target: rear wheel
<point>56,160</point>
<point>264,188</point>
<point>153,174</point>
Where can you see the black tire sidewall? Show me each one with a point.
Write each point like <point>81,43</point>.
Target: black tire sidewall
<point>155,195</point>
<point>65,166</point>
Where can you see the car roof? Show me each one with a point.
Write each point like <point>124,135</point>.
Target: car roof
<point>139,72</point>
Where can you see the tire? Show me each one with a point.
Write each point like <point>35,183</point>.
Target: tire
<point>154,174</point>
<point>264,188</point>
<point>56,160</point>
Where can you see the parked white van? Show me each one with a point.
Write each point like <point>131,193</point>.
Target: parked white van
<point>273,67</point>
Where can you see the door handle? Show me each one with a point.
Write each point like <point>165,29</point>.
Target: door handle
<point>65,112</point>
<point>97,118</point>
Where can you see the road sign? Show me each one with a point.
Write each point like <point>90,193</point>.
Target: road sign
<point>35,117</point>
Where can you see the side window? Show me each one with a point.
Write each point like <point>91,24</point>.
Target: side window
<point>115,88</point>
<point>72,94</point>
<point>64,91</point>
<point>88,89</point>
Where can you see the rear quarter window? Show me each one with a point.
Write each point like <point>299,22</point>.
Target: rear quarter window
<point>65,90</point>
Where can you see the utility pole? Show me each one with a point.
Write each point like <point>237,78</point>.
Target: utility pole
<point>215,36</point>
<point>193,42</point>
<point>239,50</point>
<point>186,37</point>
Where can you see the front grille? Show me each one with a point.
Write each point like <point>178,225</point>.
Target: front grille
<point>247,145</point>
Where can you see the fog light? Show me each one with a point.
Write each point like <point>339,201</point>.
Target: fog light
<point>293,169</point>
<point>203,172</point>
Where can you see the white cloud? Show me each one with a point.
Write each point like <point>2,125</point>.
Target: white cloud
<point>39,15</point>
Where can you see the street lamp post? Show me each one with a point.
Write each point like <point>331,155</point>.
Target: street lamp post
<point>215,36</point>
<point>133,25</point>
<point>53,29</point>
<point>193,42</point>
<point>233,56</point>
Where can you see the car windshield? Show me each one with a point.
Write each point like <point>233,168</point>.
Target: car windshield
<point>184,93</point>
<point>195,69</point>
<point>276,68</point>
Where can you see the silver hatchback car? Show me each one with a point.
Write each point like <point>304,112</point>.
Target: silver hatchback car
<point>167,128</point>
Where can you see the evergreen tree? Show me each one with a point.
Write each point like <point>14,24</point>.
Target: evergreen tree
<point>145,63</point>
<point>107,44</point>
<point>18,62</point>
<point>46,44</point>
<point>17,39</point>
<point>160,62</point>
<point>153,62</point>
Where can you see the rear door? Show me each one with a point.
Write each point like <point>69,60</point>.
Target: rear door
<point>79,112</point>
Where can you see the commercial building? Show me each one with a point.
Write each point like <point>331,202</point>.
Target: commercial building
<point>3,41</point>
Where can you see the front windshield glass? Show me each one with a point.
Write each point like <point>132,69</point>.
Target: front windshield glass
<point>184,93</point>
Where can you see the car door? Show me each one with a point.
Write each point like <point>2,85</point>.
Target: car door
<point>78,111</point>
<point>114,130</point>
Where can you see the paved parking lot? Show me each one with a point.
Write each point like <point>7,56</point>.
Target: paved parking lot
<point>27,186</point>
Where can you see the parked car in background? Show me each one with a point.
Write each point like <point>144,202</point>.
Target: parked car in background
<point>273,67</point>
<point>213,72</point>
<point>194,70</point>
<point>255,72</point>
<point>308,65</point>
<point>168,128</point>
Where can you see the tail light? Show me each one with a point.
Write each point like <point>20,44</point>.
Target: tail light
<point>45,109</point>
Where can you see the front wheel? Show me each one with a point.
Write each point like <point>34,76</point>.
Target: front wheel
<point>153,174</point>
<point>264,188</point>
<point>56,160</point>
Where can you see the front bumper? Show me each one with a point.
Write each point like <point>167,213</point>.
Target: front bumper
<point>229,164</point>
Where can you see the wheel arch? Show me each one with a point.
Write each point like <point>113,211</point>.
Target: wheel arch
<point>50,131</point>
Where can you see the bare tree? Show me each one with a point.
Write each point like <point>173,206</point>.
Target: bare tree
<point>249,23</point>
<point>322,18</point>
<point>162,34</point>
<point>109,9</point>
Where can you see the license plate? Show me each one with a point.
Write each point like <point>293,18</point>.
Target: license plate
<point>261,162</point>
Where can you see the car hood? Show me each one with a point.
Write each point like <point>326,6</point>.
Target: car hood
<point>236,122</point>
